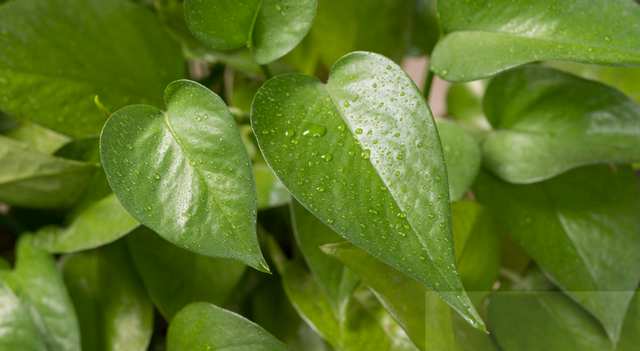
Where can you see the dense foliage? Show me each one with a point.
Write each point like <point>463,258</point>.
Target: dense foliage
<point>264,175</point>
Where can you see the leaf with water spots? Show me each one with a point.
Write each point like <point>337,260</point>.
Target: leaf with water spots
<point>185,173</point>
<point>362,153</point>
<point>271,28</point>
<point>581,228</point>
<point>202,326</point>
<point>484,37</point>
<point>547,122</point>
<point>57,55</point>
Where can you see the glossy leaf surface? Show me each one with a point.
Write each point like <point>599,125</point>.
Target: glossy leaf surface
<point>362,153</point>
<point>582,234</point>
<point>498,34</point>
<point>114,49</point>
<point>175,277</point>
<point>336,281</point>
<point>477,253</point>
<point>547,122</point>
<point>552,321</point>
<point>202,326</point>
<point>464,102</point>
<point>39,139</point>
<point>39,291</point>
<point>101,223</point>
<point>271,28</point>
<point>185,173</point>
<point>114,311</point>
<point>462,156</point>
<point>19,330</point>
<point>31,179</point>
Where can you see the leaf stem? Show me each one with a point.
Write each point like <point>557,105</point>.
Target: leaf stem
<point>428,82</point>
<point>266,71</point>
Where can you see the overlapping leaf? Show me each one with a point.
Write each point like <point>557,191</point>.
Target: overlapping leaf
<point>548,122</point>
<point>362,154</point>
<point>185,174</point>
<point>484,37</point>
<point>581,228</point>
<point>462,155</point>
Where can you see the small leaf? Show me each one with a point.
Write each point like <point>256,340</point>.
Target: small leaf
<point>464,101</point>
<point>101,223</point>
<point>114,311</point>
<point>185,174</point>
<point>336,281</point>
<point>39,139</point>
<point>581,228</point>
<point>39,291</point>
<point>175,277</point>
<point>30,179</point>
<point>202,326</point>
<point>270,28</point>
<point>462,155</point>
<point>548,122</point>
<point>114,49</point>
<point>362,153</point>
<point>498,34</point>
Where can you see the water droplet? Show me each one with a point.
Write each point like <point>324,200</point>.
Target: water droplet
<point>315,131</point>
<point>402,215</point>
<point>444,73</point>
<point>327,157</point>
<point>290,133</point>
<point>607,39</point>
<point>399,157</point>
<point>156,176</point>
<point>359,131</point>
<point>347,104</point>
<point>365,154</point>
<point>320,189</point>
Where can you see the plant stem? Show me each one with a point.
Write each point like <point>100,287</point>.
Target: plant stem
<point>428,82</point>
<point>266,71</point>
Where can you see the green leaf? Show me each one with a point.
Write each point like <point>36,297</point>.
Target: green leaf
<point>39,289</point>
<point>498,34</point>
<point>175,277</point>
<point>359,330</point>
<point>344,26</point>
<point>425,31</point>
<point>581,228</point>
<point>270,28</point>
<point>336,281</point>
<point>478,256</point>
<point>19,329</point>
<point>269,190</point>
<point>185,173</point>
<point>464,101</point>
<point>629,337</point>
<point>114,49</point>
<point>31,179</point>
<point>548,122</point>
<point>114,311</point>
<point>553,321</point>
<point>362,153</point>
<point>202,326</point>
<point>462,155</point>
<point>39,139</point>
<point>100,223</point>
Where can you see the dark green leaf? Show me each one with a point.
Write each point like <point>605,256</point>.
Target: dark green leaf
<point>39,289</point>
<point>114,49</point>
<point>548,122</point>
<point>363,154</point>
<point>175,277</point>
<point>336,281</point>
<point>485,37</point>
<point>478,256</point>
<point>31,179</point>
<point>581,228</point>
<point>629,337</point>
<point>269,190</point>
<point>462,155</point>
<point>425,31</point>
<point>202,326</point>
<point>185,174</point>
<point>114,311</point>
<point>270,28</point>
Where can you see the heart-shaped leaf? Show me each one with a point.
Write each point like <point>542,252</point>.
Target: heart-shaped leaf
<point>498,34</point>
<point>31,179</point>
<point>175,277</point>
<point>336,281</point>
<point>114,49</point>
<point>478,256</point>
<point>113,308</point>
<point>362,153</point>
<point>528,321</point>
<point>185,174</point>
<point>271,28</point>
<point>547,122</point>
<point>39,290</point>
<point>581,228</point>
<point>202,326</point>
<point>462,155</point>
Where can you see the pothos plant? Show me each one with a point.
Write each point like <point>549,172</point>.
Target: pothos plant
<point>297,192</point>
